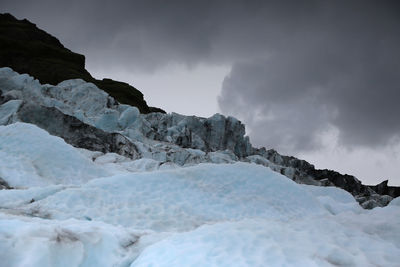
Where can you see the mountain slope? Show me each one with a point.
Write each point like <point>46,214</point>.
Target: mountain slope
<point>28,49</point>
<point>87,117</point>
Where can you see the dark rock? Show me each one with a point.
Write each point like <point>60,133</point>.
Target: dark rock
<point>344,181</point>
<point>6,98</point>
<point>4,184</point>
<point>27,49</point>
<point>369,204</point>
<point>157,110</point>
<point>374,200</point>
<point>124,93</point>
<point>75,132</point>
<point>367,196</point>
<point>326,182</point>
<point>381,188</point>
<point>384,189</point>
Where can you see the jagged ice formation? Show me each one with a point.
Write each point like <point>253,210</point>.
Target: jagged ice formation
<point>87,117</point>
<point>88,181</point>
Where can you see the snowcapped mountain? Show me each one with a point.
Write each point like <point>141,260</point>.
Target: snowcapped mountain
<point>88,181</point>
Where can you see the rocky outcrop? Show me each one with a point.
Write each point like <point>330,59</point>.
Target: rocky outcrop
<point>372,200</point>
<point>384,189</point>
<point>28,49</point>
<point>303,172</point>
<point>74,131</point>
<point>96,108</point>
<point>4,184</point>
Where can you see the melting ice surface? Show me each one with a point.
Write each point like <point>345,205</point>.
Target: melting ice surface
<point>72,207</point>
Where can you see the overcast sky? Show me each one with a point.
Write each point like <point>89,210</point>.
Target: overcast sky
<point>315,79</point>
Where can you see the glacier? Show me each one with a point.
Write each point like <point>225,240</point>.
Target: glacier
<point>35,158</point>
<point>91,182</point>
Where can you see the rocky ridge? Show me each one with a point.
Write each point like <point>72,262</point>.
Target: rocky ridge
<point>27,49</point>
<point>87,117</point>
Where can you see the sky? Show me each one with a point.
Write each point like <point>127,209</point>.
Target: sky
<point>319,80</point>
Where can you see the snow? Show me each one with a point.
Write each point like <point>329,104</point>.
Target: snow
<point>183,198</point>
<point>96,209</point>
<point>334,200</point>
<point>128,117</point>
<point>29,157</point>
<point>316,241</point>
<point>38,242</point>
<point>8,110</point>
<point>14,198</point>
<point>95,107</point>
<point>175,206</point>
<point>73,97</point>
<point>395,202</point>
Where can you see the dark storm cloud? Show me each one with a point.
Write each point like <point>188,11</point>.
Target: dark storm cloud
<point>149,34</point>
<point>340,67</point>
<point>143,34</point>
<point>298,67</point>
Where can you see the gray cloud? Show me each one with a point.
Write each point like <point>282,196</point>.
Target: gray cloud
<point>150,34</point>
<point>298,67</point>
<point>338,68</point>
<point>134,34</point>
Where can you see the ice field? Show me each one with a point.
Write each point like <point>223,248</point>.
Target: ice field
<point>73,207</point>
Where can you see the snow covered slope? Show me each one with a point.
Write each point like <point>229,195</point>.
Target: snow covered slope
<point>182,198</point>
<point>86,117</point>
<point>90,182</point>
<point>30,157</point>
<point>84,208</point>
